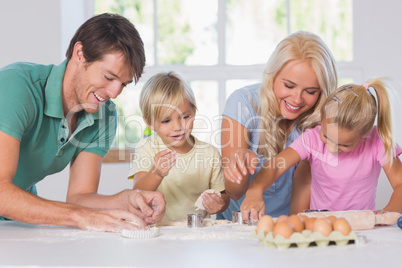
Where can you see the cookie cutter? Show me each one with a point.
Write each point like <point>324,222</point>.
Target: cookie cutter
<point>195,220</point>
<point>238,219</point>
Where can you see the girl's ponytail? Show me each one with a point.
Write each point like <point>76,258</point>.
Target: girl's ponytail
<point>384,120</point>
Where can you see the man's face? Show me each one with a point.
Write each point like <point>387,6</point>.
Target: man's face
<point>95,83</point>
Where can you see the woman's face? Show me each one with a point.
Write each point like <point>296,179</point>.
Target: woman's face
<point>296,89</point>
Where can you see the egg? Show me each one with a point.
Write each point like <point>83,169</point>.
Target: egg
<point>342,225</point>
<point>304,218</point>
<point>266,223</point>
<point>296,222</point>
<point>283,228</point>
<point>331,219</point>
<point>309,223</point>
<point>323,226</point>
<point>282,218</point>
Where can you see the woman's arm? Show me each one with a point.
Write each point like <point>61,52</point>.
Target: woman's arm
<point>301,188</point>
<point>394,175</point>
<point>237,160</point>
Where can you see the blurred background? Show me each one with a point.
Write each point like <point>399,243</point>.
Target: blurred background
<point>217,45</point>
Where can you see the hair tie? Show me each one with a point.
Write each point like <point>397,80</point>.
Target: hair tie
<point>365,86</point>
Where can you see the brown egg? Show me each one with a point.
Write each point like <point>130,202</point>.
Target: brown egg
<point>331,219</point>
<point>342,225</point>
<point>282,218</point>
<point>304,218</point>
<point>283,228</point>
<point>309,223</point>
<point>266,223</point>
<point>296,222</point>
<point>323,226</point>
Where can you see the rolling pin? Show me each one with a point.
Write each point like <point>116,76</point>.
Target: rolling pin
<point>359,219</point>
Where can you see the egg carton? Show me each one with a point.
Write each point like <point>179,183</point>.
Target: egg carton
<point>305,239</point>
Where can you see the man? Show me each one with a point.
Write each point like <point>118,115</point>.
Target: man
<point>54,115</point>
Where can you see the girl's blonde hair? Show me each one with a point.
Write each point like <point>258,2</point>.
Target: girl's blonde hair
<point>354,108</point>
<point>162,93</point>
<point>304,46</point>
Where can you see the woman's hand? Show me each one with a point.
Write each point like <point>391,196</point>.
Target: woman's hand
<point>240,163</point>
<point>253,206</point>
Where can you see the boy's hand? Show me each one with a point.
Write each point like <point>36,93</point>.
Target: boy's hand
<point>164,161</point>
<point>212,203</point>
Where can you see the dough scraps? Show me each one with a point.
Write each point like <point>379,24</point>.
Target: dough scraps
<point>198,204</point>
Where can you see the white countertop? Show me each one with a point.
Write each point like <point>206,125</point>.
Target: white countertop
<point>226,245</point>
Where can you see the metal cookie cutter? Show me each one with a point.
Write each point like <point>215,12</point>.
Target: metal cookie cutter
<point>195,220</point>
<point>237,219</point>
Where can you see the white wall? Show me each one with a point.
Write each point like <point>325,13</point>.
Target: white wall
<point>32,31</point>
<point>377,46</point>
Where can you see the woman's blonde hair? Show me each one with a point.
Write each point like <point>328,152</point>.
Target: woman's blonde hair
<point>304,46</point>
<point>354,108</point>
<point>163,92</point>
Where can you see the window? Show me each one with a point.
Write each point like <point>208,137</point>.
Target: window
<point>220,46</point>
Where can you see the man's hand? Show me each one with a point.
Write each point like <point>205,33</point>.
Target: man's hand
<point>148,205</point>
<point>108,220</point>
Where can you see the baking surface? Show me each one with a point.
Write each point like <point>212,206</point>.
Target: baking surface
<point>226,245</point>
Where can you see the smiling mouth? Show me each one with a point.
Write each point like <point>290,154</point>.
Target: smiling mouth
<point>178,137</point>
<point>99,97</point>
<point>291,107</point>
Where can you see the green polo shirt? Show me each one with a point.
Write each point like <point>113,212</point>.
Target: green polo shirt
<point>31,111</point>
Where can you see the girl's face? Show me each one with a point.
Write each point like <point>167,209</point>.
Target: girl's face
<point>175,128</point>
<point>296,89</point>
<point>337,139</point>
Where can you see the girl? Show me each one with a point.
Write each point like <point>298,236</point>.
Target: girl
<point>346,153</point>
<point>264,118</point>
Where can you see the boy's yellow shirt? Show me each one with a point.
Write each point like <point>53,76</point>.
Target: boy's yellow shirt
<point>194,172</point>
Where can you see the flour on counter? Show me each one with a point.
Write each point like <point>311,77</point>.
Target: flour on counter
<point>216,232</point>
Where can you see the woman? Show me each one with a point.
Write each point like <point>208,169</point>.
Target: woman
<point>260,120</point>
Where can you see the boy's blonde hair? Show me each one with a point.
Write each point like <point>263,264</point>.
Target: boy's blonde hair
<point>304,46</point>
<point>354,108</point>
<point>163,92</point>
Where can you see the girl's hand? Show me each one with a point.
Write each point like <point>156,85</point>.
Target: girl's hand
<point>239,164</point>
<point>380,211</point>
<point>212,203</point>
<point>163,162</point>
<point>253,206</point>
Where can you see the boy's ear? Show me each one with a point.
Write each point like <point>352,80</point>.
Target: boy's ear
<point>149,125</point>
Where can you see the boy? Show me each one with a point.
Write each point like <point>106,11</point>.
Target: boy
<point>172,160</point>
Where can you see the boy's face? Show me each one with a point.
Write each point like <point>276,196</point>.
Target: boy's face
<point>175,128</point>
<point>338,139</point>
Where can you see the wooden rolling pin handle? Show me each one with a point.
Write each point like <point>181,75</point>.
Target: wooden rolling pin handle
<point>388,218</point>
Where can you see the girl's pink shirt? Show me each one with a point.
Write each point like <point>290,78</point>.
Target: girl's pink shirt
<point>345,181</point>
